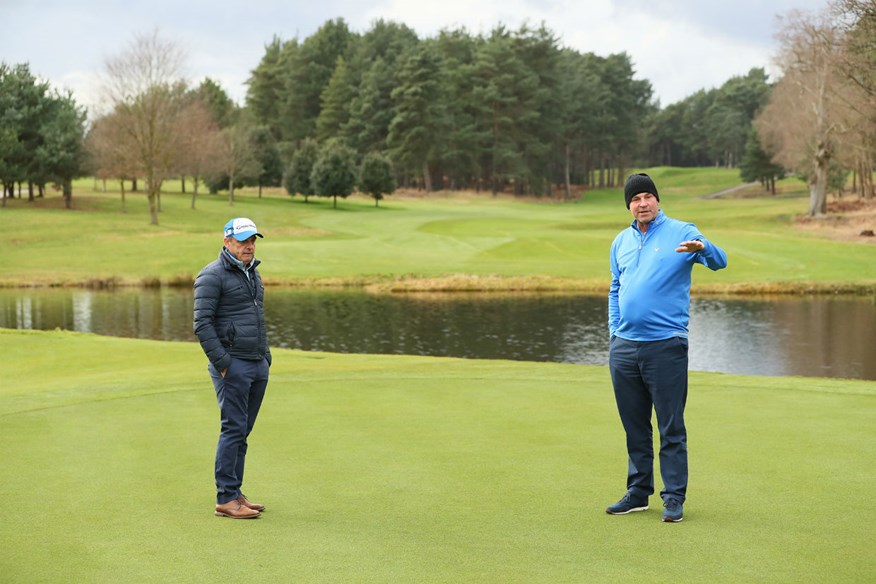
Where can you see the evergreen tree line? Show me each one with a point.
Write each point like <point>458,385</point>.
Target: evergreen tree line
<point>511,110</point>
<point>41,135</point>
<point>508,111</point>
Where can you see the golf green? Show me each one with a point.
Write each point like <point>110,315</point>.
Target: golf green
<point>416,469</point>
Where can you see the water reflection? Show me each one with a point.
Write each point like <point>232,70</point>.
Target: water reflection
<point>830,337</point>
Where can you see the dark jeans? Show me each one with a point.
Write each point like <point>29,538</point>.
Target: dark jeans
<point>650,375</point>
<point>240,395</point>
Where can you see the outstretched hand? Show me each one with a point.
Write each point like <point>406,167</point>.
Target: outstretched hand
<point>692,246</point>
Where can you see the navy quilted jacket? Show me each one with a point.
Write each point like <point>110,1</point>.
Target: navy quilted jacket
<point>229,313</point>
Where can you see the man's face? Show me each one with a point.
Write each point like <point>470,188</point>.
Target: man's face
<point>644,207</point>
<point>242,250</point>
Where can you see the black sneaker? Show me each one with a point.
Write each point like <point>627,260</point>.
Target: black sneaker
<point>672,511</point>
<point>628,504</point>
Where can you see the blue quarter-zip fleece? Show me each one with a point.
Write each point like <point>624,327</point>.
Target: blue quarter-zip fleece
<point>649,297</point>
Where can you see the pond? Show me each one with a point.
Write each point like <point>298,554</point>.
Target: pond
<point>809,336</point>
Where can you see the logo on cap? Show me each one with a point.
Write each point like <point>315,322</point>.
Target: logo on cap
<point>241,229</point>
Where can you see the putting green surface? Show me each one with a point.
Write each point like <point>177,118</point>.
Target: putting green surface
<point>415,469</point>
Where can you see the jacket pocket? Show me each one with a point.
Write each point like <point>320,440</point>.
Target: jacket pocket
<point>230,332</point>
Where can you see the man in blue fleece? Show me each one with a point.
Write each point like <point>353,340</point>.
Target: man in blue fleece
<point>648,313</point>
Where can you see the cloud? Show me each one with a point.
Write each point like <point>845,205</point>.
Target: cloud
<point>680,46</point>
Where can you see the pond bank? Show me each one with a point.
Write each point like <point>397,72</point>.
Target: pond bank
<point>412,283</point>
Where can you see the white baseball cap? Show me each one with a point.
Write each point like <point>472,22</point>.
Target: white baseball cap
<point>241,229</point>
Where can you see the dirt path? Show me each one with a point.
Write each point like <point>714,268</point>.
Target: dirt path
<point>730,190</point>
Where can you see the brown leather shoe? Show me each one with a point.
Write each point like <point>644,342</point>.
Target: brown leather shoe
<point>236,510</point>
<point>254,506</point>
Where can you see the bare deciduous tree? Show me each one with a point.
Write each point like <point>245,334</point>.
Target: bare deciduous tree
<point>822,113</point>
<point>143,88</point>
<point>799,121</point>
<point>110,158</point>
<point>236,156</point>
<point>199,144</point>
<point>857,21</point>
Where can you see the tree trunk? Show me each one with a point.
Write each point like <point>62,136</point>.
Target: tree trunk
<point>867,190</point>
<point>427,177</point>
<point>68,193</point>
<point>231,189</point>
<point>153,205</point>
<point>30,191</point>
<point>568,194</point>
<point>152,189</point>
<point>122,186</point>
<point>335,203</point>
<point>195,190</point>
<point>818,183</point>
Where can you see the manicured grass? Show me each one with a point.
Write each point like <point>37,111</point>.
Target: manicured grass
<point>435,237</point>
<point>414,469</point>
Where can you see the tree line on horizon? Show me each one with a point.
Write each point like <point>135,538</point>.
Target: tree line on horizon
<point>510,111</point>
<point>507,111</point>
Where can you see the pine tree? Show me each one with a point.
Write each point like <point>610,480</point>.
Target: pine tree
<point>757,164</point>
<point>419,124</point>
<point>335,100</point>
<point>372,111</point>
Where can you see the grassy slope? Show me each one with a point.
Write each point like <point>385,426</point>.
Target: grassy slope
<point>430,237</point>
<point>410,469</point>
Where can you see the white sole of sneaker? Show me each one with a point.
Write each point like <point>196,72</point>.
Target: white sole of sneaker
<point>633,510</point>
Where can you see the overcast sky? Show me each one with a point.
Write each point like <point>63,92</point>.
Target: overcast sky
<point>680,46</point>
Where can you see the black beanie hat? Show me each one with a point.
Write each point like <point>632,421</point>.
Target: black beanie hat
<point>639,183</point>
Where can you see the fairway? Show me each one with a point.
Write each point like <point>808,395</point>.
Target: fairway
<point>415,469</point>
<point>440,241</point>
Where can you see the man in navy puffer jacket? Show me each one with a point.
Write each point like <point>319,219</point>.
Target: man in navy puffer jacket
<point>230,325</point>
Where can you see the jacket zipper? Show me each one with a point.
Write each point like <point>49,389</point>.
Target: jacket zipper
<point>255,303</point>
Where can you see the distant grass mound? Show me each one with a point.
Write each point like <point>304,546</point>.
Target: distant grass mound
<point>415,469</point>
<point>431,242</point>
